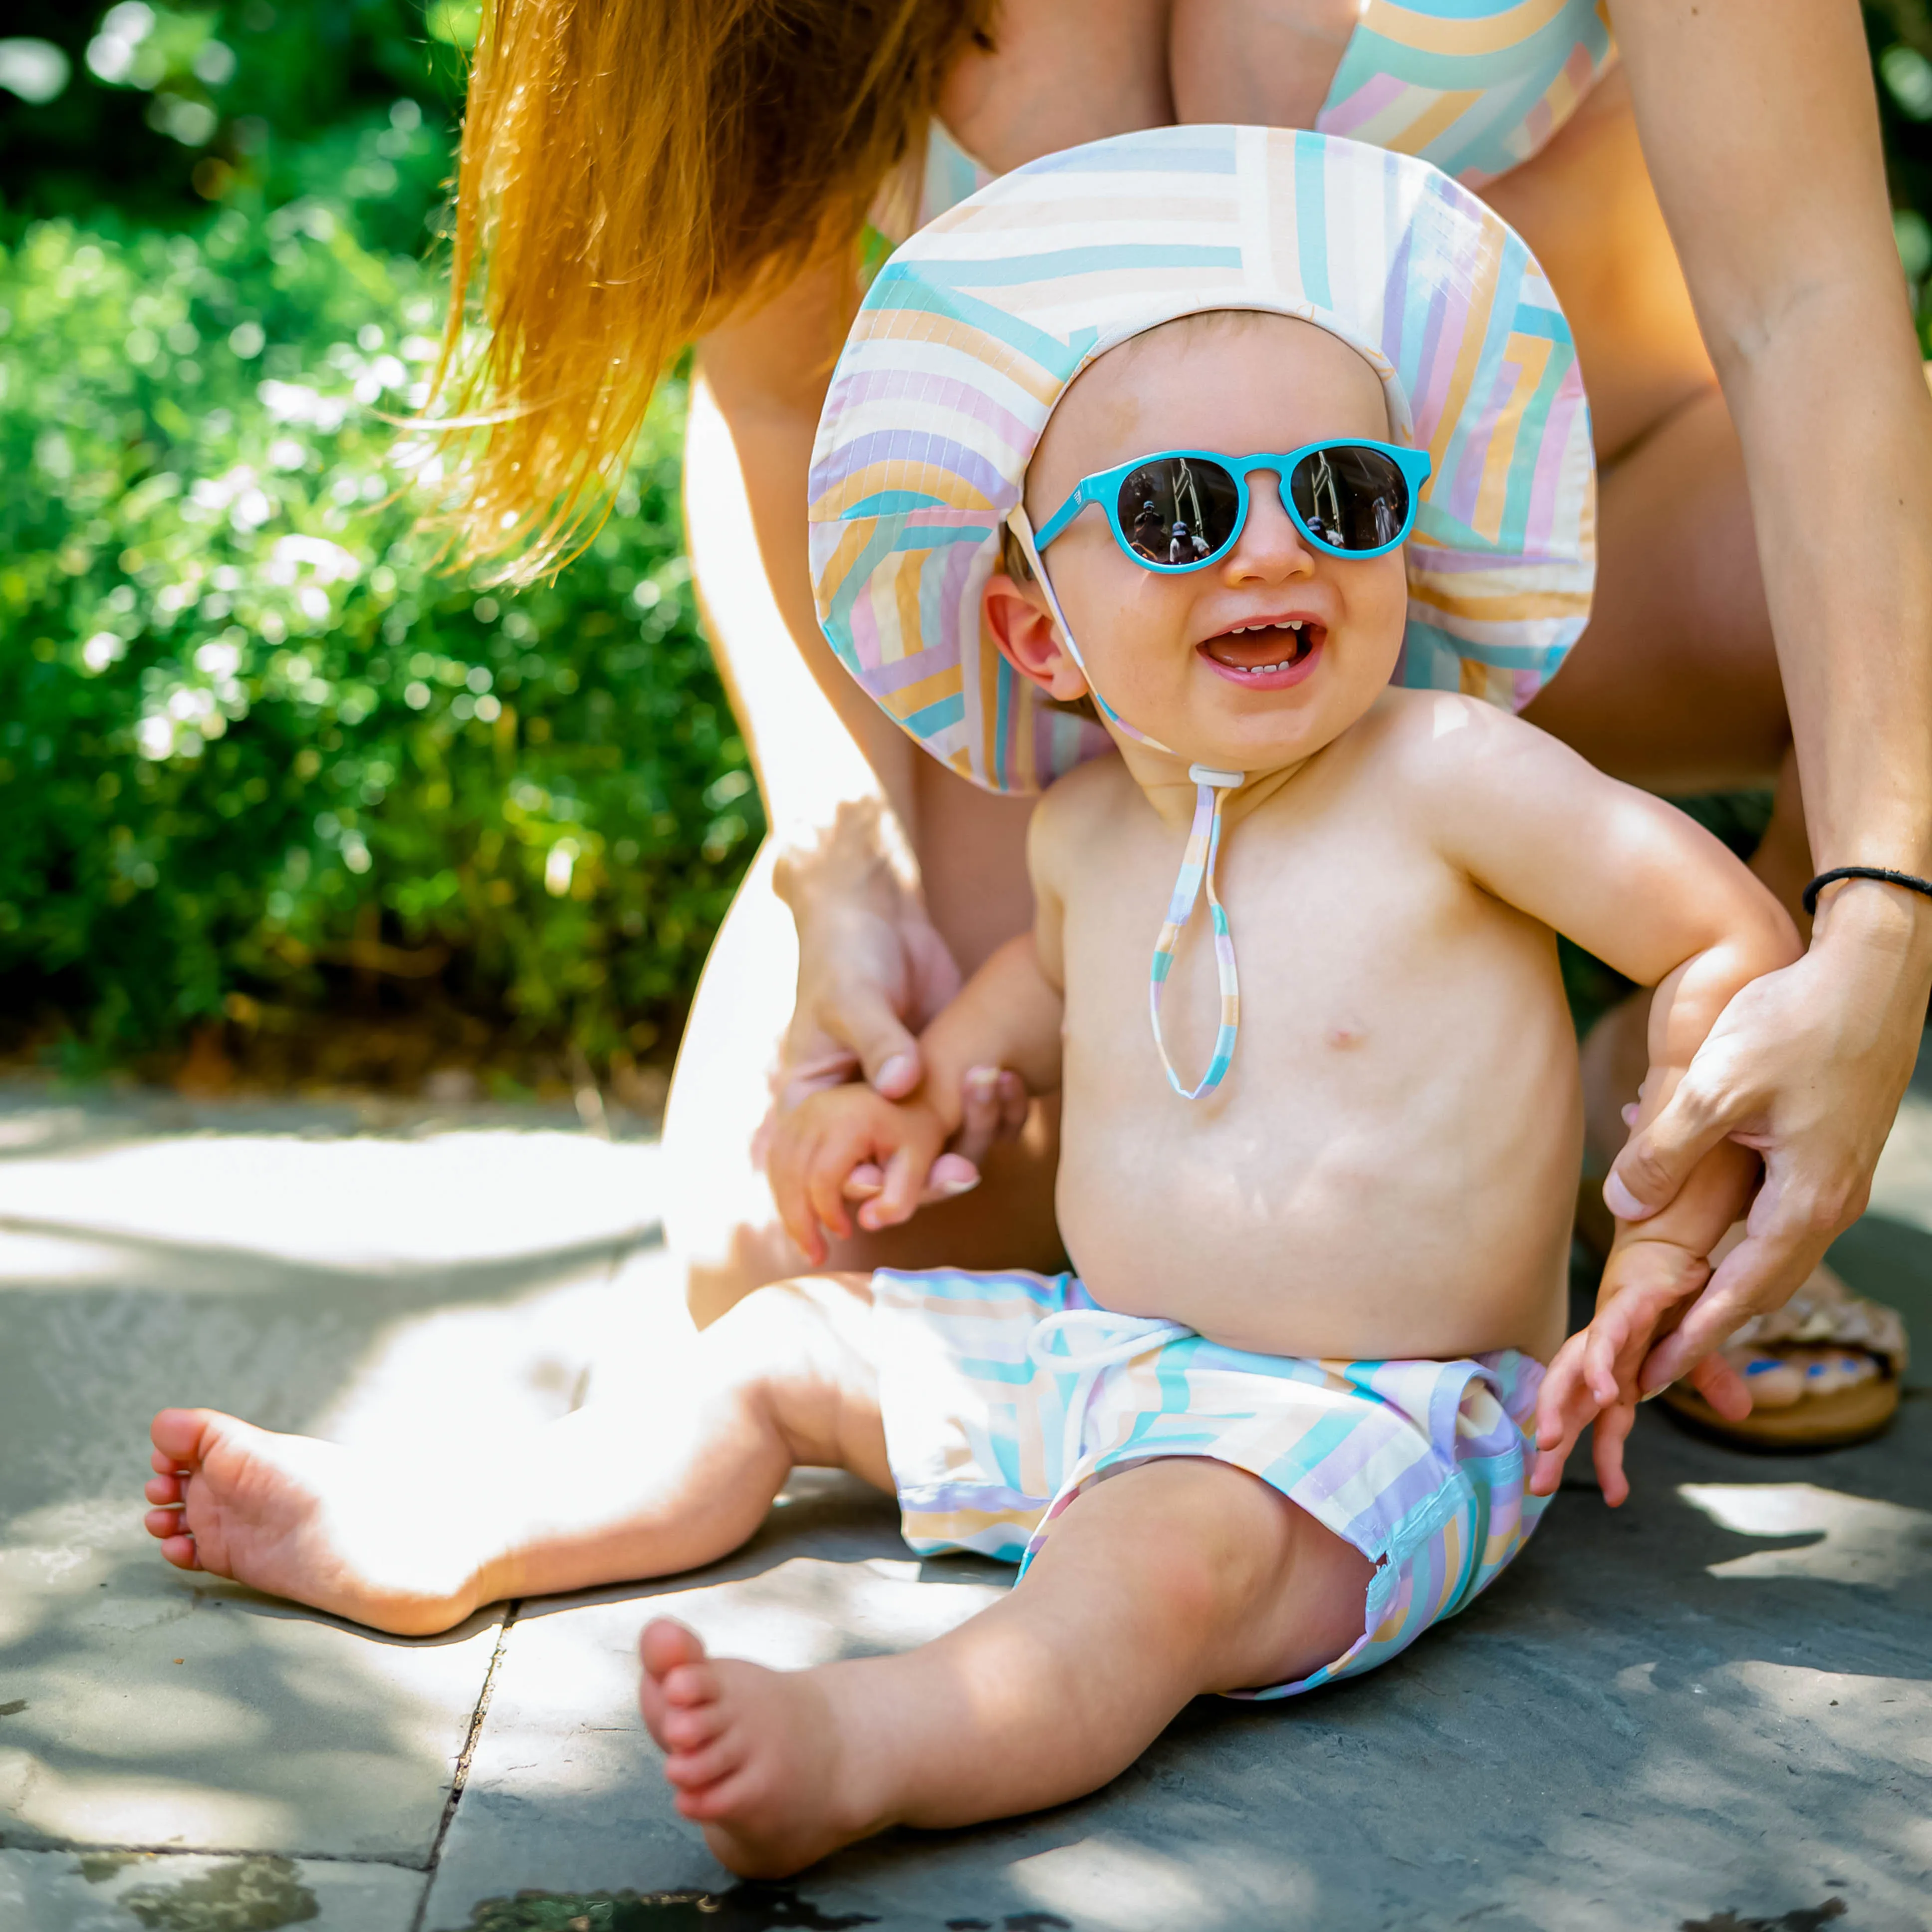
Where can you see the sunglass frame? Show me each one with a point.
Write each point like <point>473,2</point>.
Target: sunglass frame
<point>1103,488</point>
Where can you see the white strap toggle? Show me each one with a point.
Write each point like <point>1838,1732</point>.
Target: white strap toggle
<point>1108,1338</point>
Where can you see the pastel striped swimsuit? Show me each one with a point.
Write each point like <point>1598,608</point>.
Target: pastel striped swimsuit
<point>1477,87</point>
<point>1005,1395</point>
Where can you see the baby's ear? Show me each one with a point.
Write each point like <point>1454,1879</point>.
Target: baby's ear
<point>1029,640</point>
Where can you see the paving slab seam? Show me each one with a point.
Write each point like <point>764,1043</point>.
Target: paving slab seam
<point>82,1848</point>
<point>460,1777</point>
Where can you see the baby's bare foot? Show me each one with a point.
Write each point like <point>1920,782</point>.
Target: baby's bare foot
<point>308,1519</point>
<point>757,1757</point>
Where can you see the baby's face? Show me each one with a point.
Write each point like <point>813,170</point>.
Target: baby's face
<point>1177,654</point>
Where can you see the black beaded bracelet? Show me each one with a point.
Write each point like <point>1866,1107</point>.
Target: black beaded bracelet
<point>1909,880</point>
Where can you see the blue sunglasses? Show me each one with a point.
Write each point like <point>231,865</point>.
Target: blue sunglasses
<point>1183,508</point>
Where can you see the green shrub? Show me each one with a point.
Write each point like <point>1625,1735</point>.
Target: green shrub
<point>250,738</point>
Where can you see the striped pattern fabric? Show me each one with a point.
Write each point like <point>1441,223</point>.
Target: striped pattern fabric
<point>1197,867</point>
<point>1476,86</point>
<point>972,331</point>
<point>1004,1394</point>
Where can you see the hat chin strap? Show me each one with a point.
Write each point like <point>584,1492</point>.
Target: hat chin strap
<point>1197,862</point>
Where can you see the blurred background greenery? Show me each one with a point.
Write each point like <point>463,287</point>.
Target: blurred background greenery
<point>280,801</point>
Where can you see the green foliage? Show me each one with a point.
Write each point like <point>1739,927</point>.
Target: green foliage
<point>167,109</point>
<point>254,746</point>
<point>1899,32</point>
<point>248,732</point>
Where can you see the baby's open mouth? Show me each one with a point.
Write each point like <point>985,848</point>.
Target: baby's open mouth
<point>1268,652</point>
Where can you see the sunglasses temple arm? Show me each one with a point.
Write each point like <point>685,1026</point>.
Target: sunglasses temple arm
<point>1016,521</point>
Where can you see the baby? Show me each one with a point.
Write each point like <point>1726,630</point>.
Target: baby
<point>1292,1409</point>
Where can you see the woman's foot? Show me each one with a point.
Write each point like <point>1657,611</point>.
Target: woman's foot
<point>307,1519</point>
<point>757,1757</point>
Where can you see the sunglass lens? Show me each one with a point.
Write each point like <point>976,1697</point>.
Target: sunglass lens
<point>1351,497</point>
<point>1178,509</point>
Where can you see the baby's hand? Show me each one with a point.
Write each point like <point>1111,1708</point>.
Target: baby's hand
<point>1647,1286</point>
<point>847,1143</point>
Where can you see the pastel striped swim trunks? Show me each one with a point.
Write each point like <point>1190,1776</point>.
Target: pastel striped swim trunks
<point>1004,1394</point>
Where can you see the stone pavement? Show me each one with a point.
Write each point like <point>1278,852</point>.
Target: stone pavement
<point>1710,1709</point>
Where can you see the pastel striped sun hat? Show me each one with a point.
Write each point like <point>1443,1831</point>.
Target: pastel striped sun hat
<point>973,329</point>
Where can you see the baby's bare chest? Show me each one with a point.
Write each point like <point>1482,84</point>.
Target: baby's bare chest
<point>1354,940</point>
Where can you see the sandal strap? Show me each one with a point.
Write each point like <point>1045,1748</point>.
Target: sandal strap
<point>1826,1319</point>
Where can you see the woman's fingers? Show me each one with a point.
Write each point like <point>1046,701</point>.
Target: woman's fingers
<point>1759,1272</point>
<point>951,1173</point>
<point>978,1113</point>
<point>993,1103</point>
<point>1657,1160</point>
<point>905,1181</point>
<point>1716,1378</point>
<point>889,1055</point>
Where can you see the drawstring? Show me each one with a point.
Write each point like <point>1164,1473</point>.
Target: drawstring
<point>1114,1338</point>
<point>1197,864</point>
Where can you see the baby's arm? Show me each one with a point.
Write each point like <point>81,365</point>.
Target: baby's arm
<point>1655,1267</point>
<point>1651,893</point>
<point>1007,1016</point>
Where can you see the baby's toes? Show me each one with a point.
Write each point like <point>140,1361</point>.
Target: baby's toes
<point>663,1645</point>
<point>692,1771</point>
<point>177,1434</point>
<point>665,1649</point>
<point>179,1550</point>
<point>690,1729</point>
<point>163,1489</point>
<point>691,1686</point>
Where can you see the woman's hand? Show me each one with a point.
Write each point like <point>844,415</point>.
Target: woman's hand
<point>873,971</point>
<point>1807,1065</point>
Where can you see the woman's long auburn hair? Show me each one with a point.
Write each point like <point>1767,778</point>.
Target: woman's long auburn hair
<point>632,172</point>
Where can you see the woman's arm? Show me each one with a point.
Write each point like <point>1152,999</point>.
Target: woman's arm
<point>835,773</point>
<point>1759,124</point>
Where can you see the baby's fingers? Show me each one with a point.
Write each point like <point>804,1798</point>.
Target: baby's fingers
<point>1563,1405</point>
<point>912,1176</point>
<point>787,1157</point>
<point>1606,1451</point>
<point>1546,1474</point>
<point>833,1161</point>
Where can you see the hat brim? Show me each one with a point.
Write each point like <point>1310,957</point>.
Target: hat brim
<point>974,329</point>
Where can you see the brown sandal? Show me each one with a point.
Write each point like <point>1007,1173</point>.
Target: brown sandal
<point>1823,1318</point>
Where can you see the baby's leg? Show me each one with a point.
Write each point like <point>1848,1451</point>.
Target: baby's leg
<point>668,1475</point>
<point>1173,1578</point>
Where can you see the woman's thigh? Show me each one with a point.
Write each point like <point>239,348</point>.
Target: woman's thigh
<point>719,1219</point>
<point>1674,685</point>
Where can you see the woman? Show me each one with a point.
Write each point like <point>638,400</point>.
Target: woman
<point>648,174</point>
